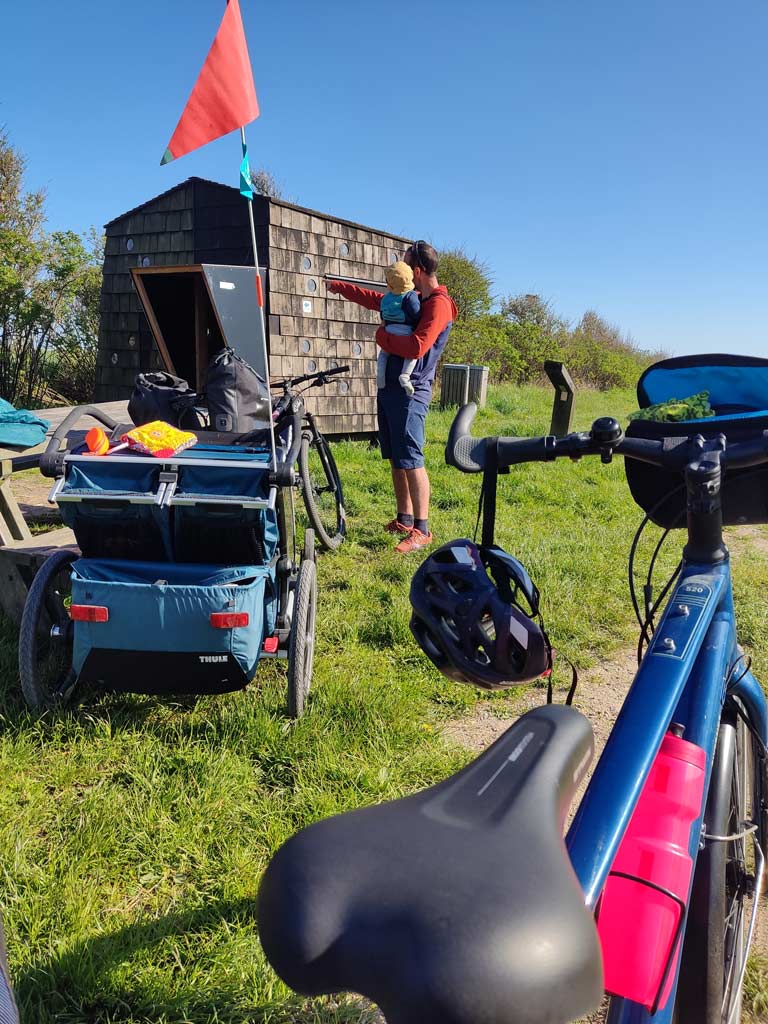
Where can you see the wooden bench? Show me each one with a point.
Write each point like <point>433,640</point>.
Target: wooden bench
<point>21,552</point>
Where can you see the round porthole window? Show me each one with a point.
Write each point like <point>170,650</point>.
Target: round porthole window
<point>343,387</point>
<point>332,365</point>
<point>114,358</point>
<point>357,348</point>
<point>132,341</point>
<point>311,366</point>
<point>305,345</point>
<point>343,249</point>
<point>145,261</point>
<point>306,263</point>
<point>129,244</point>
<point>394,257</point>
<point>312,284</point>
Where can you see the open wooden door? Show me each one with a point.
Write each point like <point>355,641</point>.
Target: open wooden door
<point>195,311</point>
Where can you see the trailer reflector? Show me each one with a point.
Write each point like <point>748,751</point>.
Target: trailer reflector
<point>229,620</point>
<point>88,613</point>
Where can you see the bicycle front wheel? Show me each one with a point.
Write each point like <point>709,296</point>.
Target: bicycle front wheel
<point>321,490</point>
<point>709,990</point>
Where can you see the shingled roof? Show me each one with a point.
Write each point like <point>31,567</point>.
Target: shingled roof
<point>230,188</point>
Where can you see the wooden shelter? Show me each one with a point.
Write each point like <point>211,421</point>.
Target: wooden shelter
<point>166,242</point>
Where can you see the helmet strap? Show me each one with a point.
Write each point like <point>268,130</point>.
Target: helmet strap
<point>551,658</point>
<point>486,510</point>
<point>487,505</point>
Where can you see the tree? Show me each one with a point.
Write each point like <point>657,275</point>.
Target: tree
<point>72,365</point>
<point>49,285</point>
<point>593,326</point>
<point>532,309</point>
<point>468,283</point>
<point>265,184</point>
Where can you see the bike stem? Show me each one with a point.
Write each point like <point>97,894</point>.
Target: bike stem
<point>703,479</point>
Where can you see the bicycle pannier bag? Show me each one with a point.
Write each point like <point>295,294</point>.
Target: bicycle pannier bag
<point>738,393</point>
<point>161,396</point>
<point>237,396</point>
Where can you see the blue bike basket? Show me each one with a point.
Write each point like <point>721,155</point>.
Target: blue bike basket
<point>738,392</point>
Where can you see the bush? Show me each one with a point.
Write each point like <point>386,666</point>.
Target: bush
<point>516,343</point>
<point>593,364</point>
<point>486,340</point>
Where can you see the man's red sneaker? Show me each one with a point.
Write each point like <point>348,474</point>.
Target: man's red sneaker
<point>396,527</point>
<point>415,540</point>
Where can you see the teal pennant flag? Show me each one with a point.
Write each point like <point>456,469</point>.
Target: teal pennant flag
<point>246,185</point>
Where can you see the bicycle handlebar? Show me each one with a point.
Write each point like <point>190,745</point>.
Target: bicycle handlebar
<point>319,378</point>
<point>52,460</point>
<point>606,439</point>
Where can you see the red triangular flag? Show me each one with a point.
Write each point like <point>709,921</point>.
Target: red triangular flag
<point>224,96</point>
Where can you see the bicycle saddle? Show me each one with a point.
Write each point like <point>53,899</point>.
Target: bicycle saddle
<point>457,905</point>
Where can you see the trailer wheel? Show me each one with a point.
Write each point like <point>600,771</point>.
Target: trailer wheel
<point>46,634</point>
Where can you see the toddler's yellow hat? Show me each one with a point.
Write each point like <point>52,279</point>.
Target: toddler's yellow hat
<point>399,277</point>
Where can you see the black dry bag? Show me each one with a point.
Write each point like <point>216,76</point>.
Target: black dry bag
<point>161,396</point>
<point>237,396</point>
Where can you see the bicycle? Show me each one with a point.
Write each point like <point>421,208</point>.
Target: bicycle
<point>320,482</point>
<point>462,904</point>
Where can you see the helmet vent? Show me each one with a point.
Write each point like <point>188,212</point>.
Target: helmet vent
<point>488,626</point>
<point>481,656</point>
<point>450,627</point>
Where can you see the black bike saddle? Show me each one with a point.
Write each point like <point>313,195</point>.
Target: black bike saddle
<point>454,906</point>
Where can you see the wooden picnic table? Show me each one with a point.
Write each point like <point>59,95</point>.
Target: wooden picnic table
<point>21,552</point>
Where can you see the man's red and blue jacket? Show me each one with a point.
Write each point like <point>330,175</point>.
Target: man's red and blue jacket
<point>424,344</point>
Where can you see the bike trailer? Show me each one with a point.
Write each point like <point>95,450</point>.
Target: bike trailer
<point>209,504</point>
<point>163,627</point>
<point>738,392</point>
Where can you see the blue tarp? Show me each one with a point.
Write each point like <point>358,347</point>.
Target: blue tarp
<point>20,428</point>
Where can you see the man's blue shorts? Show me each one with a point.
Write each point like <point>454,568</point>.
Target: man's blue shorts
<point>401,427</point>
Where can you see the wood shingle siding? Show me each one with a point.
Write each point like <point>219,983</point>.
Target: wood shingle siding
<point>202,221</point>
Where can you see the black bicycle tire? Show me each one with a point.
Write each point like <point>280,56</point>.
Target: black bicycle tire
<point>35,693</point>
<point>308,547</point>
<point>301,643</point>
<point>713,948</point>
<point>327,539</point>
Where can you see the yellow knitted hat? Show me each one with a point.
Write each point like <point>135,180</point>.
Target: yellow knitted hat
<point>399,277</point>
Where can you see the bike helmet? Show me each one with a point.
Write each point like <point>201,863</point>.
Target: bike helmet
<point>472,616</point>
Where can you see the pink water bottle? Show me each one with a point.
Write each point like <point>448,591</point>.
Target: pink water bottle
<point>638,924</point>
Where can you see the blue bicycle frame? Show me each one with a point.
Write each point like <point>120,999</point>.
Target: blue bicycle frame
<point>683,678</point>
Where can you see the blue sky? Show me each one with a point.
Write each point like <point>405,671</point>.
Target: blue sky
<point>607,155</point>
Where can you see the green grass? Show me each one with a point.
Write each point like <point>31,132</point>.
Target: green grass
<point>136,830</point>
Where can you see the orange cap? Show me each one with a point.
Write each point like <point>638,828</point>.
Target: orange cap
<point>96,441</point>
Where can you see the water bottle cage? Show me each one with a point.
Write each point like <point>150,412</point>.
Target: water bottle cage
<point>675,938</point>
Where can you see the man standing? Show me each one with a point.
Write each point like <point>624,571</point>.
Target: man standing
<point>402,416</point>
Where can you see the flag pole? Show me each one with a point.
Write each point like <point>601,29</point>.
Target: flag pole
<point>260,299</point>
